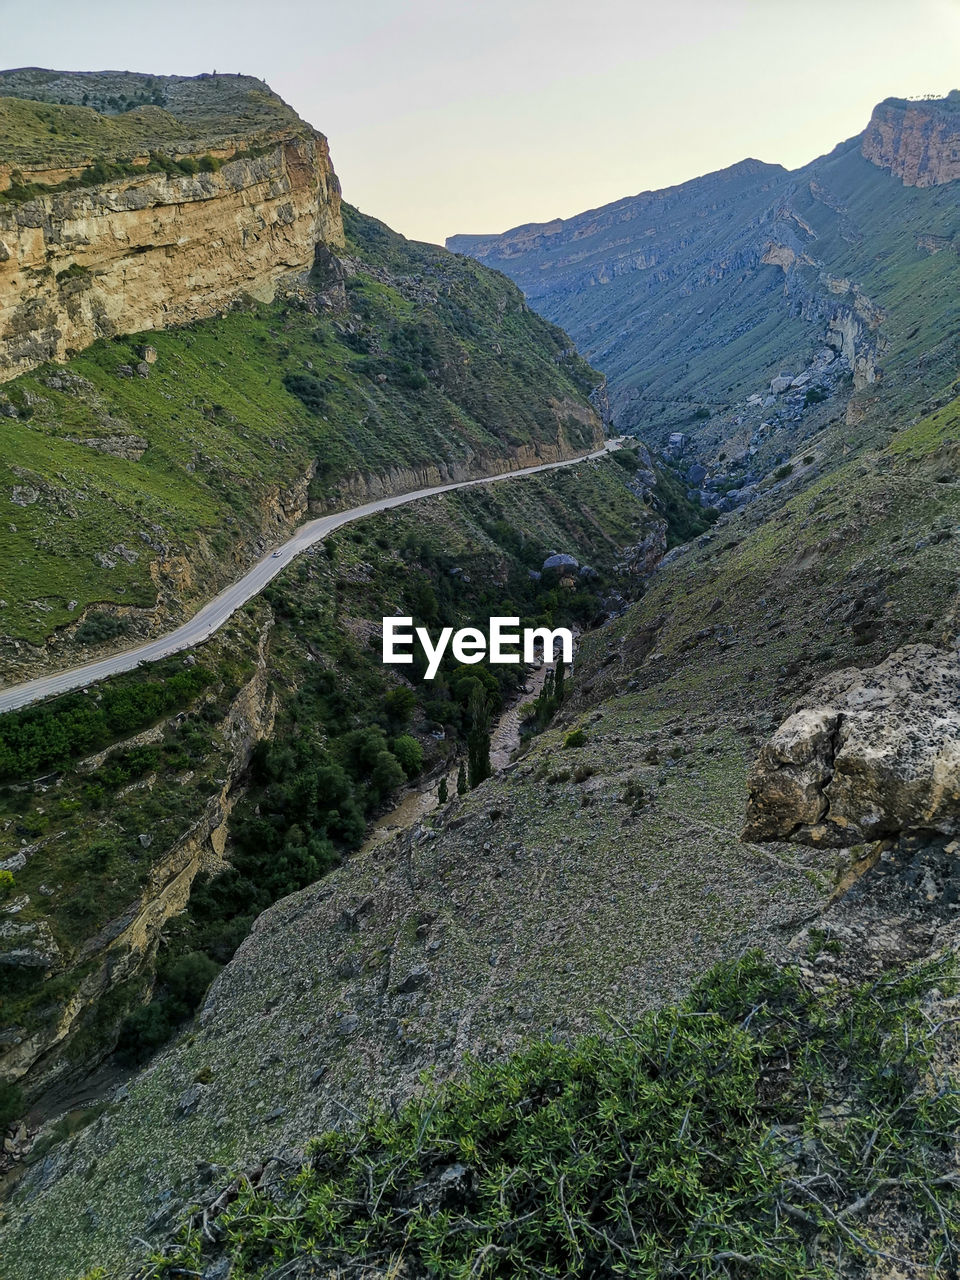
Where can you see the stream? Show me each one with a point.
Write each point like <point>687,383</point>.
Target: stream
<point>504,741</point>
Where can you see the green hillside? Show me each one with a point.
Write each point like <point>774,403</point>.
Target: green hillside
<point>401,357</point>
<point>694,298</point>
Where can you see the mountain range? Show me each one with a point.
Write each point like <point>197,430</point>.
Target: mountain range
<point>694,299</point>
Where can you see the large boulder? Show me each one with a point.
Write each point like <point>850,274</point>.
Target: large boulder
<point>561,562</point>
<point>871,754</point>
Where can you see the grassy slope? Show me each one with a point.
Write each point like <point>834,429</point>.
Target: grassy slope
<point>683,1145</point>
<point>636,879</point>
<point>115,118</point>
<point>432,360</point>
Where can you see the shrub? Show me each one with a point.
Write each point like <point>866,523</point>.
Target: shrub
<point>729,1135</point>
<point>576,738</point>
<point>7,882</point>
<point>399,705</point>
<point>410,754</point>
<point>386,776</point>
<point>781,473</point>
<point>99,627</point>
<point>310,390</point>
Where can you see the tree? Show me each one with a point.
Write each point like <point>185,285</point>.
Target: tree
<point>461,780</point>
<point>442,795</point>
<point>399,704</point>
<point>387,774</point>
<point>410,754</point>
<point>558,683</point>
<point>478,738</point>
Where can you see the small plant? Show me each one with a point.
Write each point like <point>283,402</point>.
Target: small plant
<point>7,882</point>
<point>99,627</point>
<point>575,738</point>
<point>781,473</point>
<point>733,1126</point>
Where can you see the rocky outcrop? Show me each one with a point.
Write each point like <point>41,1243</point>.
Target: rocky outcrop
<point>153,249</point>
<point>919,142</point>
<point>871,754</point>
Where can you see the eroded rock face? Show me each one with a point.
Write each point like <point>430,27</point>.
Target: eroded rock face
<point>148,251</point>
<point>919,142</point>
<point>872,754</point>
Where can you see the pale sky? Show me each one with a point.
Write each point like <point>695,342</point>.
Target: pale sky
<point>449,116</point>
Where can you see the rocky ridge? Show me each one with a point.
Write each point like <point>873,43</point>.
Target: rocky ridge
<point>694,299</point>
<point>128,253</point>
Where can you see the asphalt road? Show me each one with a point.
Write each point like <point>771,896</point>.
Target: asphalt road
<point>214,614</point>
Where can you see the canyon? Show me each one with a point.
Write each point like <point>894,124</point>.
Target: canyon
<point>697,299</point>
<point>756,750</point>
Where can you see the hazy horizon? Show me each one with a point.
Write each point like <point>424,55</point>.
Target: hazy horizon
<point>448,118</point>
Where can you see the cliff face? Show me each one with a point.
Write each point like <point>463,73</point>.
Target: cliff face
<point>151,244</point>
<point>919,142</point>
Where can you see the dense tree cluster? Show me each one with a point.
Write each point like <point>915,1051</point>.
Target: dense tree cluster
<point>48,736</point>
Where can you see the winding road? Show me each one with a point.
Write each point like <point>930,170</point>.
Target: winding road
<point>215,613</point>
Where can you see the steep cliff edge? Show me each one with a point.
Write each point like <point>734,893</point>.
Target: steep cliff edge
<point>151,216</point>
<point>919,142</point>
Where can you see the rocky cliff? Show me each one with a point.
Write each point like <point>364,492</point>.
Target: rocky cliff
<point>86,976</point>
<point>919,142</point>
<point>155,222</point>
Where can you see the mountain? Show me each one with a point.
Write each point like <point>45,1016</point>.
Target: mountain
<point>530,1030</point>
<point>694,299</point>
<point>213,348</point>
<point>142,474</point>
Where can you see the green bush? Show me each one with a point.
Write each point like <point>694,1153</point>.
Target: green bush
<point>99,627</point>
<point>7,882</point>
<point>576,738</point>
<point>48,735</point>
<point>399,705</point>
<point>741,1133</point>
<point>410,754</point>
<point>310,390</point>
<point>781,473</point>
<point>11,1103</point>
